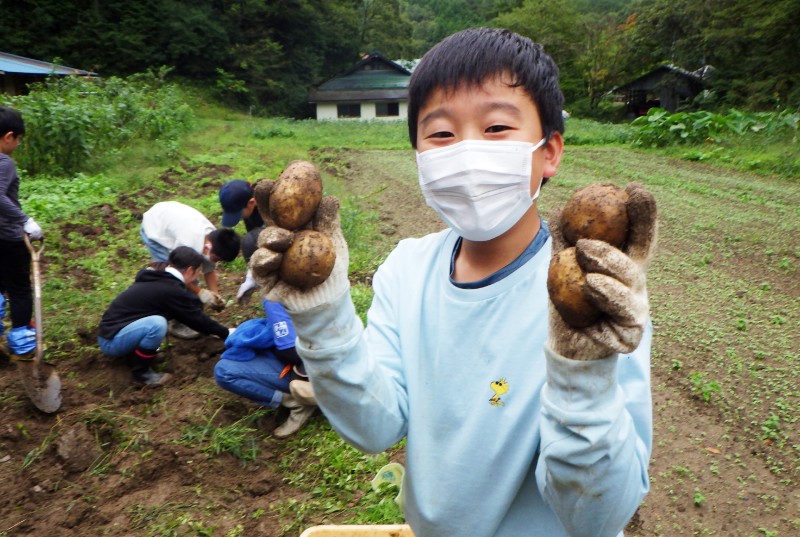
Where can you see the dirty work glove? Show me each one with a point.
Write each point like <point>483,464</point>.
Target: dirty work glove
<point>265,264</point>
<point>212,300</point>
<point>32,228</point>
<point>616,284</point>
<point>246,289</point>
<point>21,340</point>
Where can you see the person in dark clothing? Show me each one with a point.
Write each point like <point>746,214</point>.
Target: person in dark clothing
<point>15,260</point>
<point>238,203</point>
<point>135,323</point>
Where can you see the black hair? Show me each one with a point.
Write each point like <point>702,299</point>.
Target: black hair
<point>11,121</point>
<point>224,243</point>
<point>476,55</point>
<point>184,257</point>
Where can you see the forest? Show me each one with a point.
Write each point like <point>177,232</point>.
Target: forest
<point>264,56</point>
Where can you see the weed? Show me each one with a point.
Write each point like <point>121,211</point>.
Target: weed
<point>698,498</point>
<point>771,428</point>
<point>236,438</point>
<point>703,387</point>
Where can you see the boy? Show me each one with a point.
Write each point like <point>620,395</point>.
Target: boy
<point>169,224</point>
<point>238,203</point>
<point>261,363</point>
<point>516,424</point>
<point>135,323</point>
<point>15,259</point>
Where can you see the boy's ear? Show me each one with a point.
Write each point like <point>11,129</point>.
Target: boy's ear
<point>553,150</point>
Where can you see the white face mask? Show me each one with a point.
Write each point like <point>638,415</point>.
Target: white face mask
<point>479,188</point>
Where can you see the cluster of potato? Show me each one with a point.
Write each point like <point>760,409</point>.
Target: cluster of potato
<point>288,245</point>
<point>597,211</point>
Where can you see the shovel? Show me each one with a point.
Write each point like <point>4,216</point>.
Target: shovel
<point>40,379</point>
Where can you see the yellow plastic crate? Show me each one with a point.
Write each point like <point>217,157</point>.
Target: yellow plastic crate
<point>389,530</point>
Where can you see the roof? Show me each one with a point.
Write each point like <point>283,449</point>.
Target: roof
<point>649,79</point>
<point>374,77</point>
<point>12,64</point>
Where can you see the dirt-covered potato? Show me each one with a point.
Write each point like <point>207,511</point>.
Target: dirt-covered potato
<point>565,285</point>
<point>309,260</point>
<point>261,192</point>
<point>295,195</point>
<point>596,211</point>
<point>265,262</point>
<point>275,238</point>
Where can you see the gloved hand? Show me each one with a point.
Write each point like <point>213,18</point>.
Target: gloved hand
<point>246,289</point>
<point>32,228</point>
<point>616,284</point>
<point>212,300</point>
<point>265,264</point>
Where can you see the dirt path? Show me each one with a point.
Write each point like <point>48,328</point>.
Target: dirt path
<point>59,476</point>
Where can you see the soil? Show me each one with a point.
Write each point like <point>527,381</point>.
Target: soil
<point>57,477</point>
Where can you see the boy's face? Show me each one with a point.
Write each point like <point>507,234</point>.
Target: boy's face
<point>9,142</point>
<point>491,111</point>
<point>249,208</point>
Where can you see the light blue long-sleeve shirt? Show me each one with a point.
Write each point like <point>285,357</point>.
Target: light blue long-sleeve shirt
<point>504,438</point>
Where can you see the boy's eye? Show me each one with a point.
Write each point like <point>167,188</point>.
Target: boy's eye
<point>440,134</point>
<point>497,128</point>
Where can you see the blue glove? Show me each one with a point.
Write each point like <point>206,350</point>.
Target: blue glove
<point>21,340</point>
<point>2,314</point>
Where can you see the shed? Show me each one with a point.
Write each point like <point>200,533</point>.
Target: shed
<point>666,86</point>
<point>16,72</point>
<point>374,88</point>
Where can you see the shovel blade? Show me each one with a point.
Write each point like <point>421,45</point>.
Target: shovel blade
<point>42,383</point>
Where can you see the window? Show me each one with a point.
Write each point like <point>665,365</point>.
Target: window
<point>387,109</point>
<point>348,110</point>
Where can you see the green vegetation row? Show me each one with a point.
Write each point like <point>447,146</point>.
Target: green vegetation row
<point>71,120</point>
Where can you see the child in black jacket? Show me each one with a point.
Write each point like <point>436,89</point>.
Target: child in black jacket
<point>135,322</point>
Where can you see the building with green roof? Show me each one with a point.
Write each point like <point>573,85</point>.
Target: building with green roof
<point>374,88</point>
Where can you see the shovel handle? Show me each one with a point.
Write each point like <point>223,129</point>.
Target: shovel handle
<point>35,252</point>
<point>37,294</point>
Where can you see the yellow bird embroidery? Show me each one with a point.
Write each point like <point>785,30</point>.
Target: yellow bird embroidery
<point>499,387</point>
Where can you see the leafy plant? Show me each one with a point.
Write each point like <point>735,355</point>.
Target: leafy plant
<point>703,386</point>
<point>660,127</point>
<point>71,120</point>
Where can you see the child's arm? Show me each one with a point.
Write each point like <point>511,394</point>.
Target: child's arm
<point>360,398</point>
<point>10,211</point>
<point>596,405</point>
<point>596,439</point>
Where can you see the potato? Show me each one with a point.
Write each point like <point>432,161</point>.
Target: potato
<point>264,262</point>
<point>261,192</point>
<point>566,286</point>
<point>275,238</point>
<point>309,260</point>
<point>295,195</point>
<point>597,211</point>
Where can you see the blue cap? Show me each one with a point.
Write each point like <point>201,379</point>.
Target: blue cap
<point>233,196</point>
